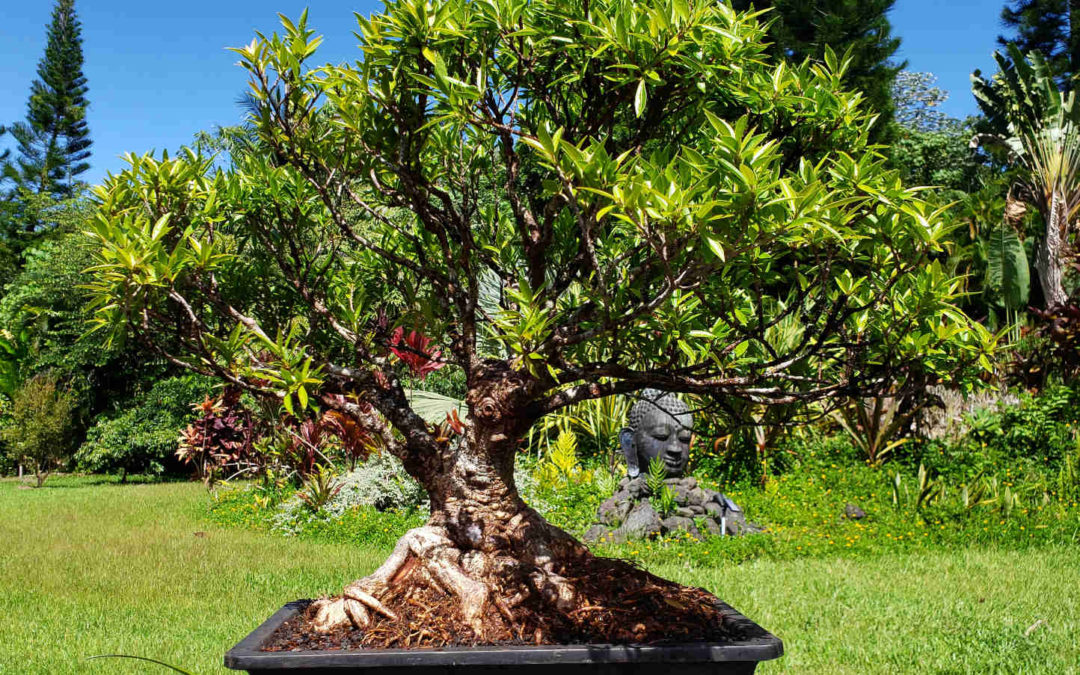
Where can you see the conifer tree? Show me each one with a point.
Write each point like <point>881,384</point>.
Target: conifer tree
<point>804,28</point>
<point>54,142</point>
<point>1049,26</point>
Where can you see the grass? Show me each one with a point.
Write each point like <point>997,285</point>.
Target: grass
<point>119,569</point>
<point>91,567</point>
<point>944,612</point>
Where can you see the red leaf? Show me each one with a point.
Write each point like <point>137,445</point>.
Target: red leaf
<point>415,352</point>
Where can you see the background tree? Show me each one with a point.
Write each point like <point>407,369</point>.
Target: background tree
<point>1051,27</point>
<point>1037,129</point>
<point>572,201</point>
<point>805,28</point>
<point>917,103</point>
<point>54,142</point>
<point>39,435</point>
<point>140,434</point>
<point>929,147</point>
<point>43,316</point>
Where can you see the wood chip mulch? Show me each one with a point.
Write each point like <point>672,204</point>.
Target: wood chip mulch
<point>619,604</point>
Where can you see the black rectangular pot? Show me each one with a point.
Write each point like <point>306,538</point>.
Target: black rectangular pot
<point>685,659</point>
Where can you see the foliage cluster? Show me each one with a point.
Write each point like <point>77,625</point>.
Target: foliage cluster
<point>1010,478</point>
<point>1047,26</point>
<point>801,29</point>
<point>39,433</point>
<point>1032,436</point>
<point>802,509</point>
<point>220,443</point>
<point>141,435</point>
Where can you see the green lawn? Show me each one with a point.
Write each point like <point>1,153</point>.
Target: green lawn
<point>91,569</point>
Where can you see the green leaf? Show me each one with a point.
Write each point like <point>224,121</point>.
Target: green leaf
<point>716,247</point>
<point>641,97</point>
<point>1007,273</point>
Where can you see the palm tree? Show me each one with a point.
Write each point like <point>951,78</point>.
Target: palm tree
<point>1038,127</point>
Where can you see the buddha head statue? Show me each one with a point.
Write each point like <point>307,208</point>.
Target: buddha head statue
<point>660,426</point>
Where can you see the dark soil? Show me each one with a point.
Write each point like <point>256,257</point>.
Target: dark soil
<point>620,604</point>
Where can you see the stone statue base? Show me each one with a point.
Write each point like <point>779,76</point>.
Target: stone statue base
<point>629,513</point>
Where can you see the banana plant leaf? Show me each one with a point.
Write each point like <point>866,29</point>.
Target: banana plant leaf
<point>1007,275</point>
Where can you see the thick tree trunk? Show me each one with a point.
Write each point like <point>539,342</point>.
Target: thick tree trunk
<point>1048,259</point>
<point>482,545</point>
<point>488,568</point>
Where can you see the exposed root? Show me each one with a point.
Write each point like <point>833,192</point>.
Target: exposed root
<point>425,552</point>
<point>431,594</point>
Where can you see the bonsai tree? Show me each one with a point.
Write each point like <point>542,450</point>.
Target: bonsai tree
<point>564,200</point>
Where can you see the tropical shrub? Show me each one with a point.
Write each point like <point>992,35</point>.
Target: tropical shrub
<point>878,424</point>
<point>1026,434</point>
<point>1042,428</point>
<point>320,486</point>
<point>219,443</point>
<point>143,435</point>
<point>1036,128</point>
<point>1053,348</point>
<point>294,449</point>
<point>42,420</point>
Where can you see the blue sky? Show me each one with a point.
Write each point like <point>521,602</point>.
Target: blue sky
<point>159,71</point>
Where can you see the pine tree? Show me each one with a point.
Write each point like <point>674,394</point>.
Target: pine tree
<point>54,141</point>
<point>1049,26</point>
<point>803,28</point>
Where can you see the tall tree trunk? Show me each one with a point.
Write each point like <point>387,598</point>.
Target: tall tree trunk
<point>1048,259</point>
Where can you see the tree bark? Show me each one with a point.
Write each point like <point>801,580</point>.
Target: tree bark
<point>488,568</point>
<point>1048,259</point>
<point>482,544</point>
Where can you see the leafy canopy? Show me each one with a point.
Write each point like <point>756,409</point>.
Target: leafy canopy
<point>801,29</point>
<point>600,196</point>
